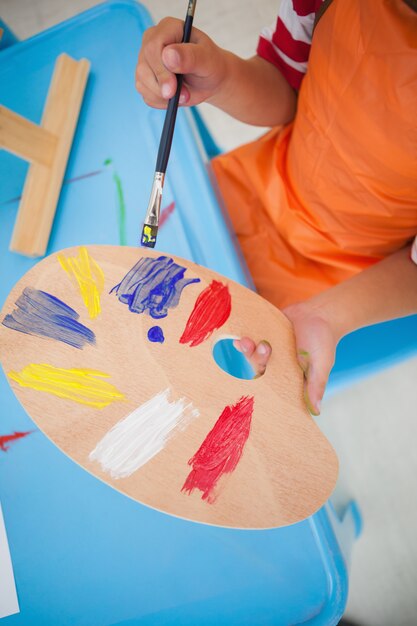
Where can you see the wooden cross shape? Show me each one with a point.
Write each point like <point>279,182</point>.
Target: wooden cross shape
<point>46,147</point>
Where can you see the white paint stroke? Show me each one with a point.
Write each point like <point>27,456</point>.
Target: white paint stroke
<point>139,436</point>
<point>9,604</point>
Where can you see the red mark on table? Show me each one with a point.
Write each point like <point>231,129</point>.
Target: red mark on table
<point>67,181</point>
<point>211,310</point>
<point>75,179</point>
<point>165,213</point>
<point>221,450</point>
<point>5,439</point>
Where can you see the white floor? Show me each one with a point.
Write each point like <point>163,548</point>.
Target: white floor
<point>373,425</point>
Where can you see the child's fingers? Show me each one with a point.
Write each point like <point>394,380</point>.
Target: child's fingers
<point>245,345</point>
<point>257,355</point>
<point>155,79</point>
<point>164,82</point>
<point>146,83</point>
<point>159,103</point>
<point>162,56</point>
<point>260,357</point>
<point>189,58</point>
<point>148,87</point>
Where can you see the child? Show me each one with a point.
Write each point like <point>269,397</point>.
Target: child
<point>325,204</point>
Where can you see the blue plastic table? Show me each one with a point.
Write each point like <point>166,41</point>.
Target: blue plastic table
<point>82,553</point>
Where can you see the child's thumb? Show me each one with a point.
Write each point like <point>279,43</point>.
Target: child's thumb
<point>316,353</point>
<point>186,58</point>
<point>316,368</point>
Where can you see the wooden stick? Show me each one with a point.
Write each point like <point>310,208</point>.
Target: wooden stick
<point>43,183</point>
<point>26,139</point>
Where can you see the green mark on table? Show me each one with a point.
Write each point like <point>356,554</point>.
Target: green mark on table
<point>121,204</point>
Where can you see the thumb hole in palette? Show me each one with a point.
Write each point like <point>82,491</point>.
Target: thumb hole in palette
<point>231,361</point>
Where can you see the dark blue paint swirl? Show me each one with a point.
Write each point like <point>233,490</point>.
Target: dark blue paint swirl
<point>153,285</point>
<point>156,334</point>
<point>41,314</point>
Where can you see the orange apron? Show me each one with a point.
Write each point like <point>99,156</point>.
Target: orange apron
<point>329,195</point>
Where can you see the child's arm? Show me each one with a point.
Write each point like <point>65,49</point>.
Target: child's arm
<point>385,291</point>
<point>252,90</point>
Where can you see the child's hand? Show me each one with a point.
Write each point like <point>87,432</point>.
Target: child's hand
<point>316,348</point>
<point>201,61</point>
<point>315,345</point>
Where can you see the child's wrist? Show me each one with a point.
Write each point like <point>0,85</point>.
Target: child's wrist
<point>326,308</point>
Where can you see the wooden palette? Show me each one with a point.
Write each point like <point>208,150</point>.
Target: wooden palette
<point>286,469</point>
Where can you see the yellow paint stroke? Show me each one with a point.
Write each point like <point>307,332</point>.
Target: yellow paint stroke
<point>81,385</point>
<point>88,276</point>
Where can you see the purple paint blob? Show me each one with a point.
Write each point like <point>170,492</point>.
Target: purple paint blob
<point>153,285</point>
<point>41,314</point>
<point>156,334</point>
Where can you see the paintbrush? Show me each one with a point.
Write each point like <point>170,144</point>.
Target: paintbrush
<point>150,226</point>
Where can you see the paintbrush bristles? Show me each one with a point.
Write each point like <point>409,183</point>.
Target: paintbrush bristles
<point>149,234</point>
<point>150,227</point>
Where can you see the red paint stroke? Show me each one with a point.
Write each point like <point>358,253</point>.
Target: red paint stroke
<point>221,450</point>
<point>211,310</point>
<point>68,181</point>
<point>4,439</point>
<point>165,213</point>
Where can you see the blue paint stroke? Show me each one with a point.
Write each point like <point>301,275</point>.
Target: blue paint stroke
<point>153,285</point>
<point>156,334</point>
<point>41,314</point>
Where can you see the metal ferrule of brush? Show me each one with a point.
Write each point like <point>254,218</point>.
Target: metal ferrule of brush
<point>154,206</point>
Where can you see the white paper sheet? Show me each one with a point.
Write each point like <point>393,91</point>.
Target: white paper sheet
<point>8,596</point>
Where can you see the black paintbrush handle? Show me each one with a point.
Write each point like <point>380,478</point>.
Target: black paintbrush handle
<point>171,114</point>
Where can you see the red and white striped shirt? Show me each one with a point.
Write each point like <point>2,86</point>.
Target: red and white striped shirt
<point>287,45</point>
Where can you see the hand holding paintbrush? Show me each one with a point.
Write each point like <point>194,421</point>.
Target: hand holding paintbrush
<point>150,227</point>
